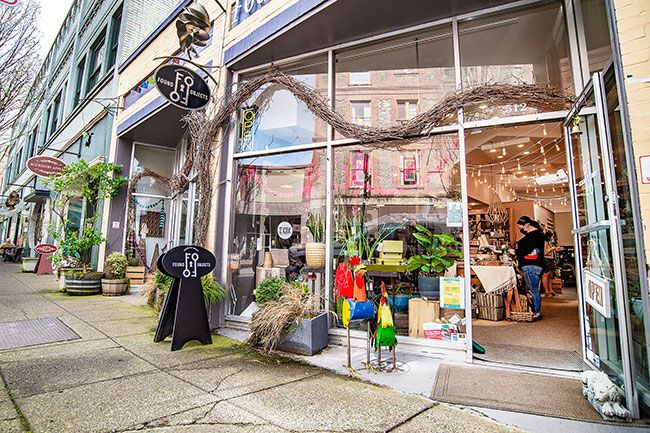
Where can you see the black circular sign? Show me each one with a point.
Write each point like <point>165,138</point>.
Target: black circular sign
<point>188,261</point>
<point>182,87</point>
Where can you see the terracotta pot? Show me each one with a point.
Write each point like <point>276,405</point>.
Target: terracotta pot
<point>315,254</point>
<point>114,287</point>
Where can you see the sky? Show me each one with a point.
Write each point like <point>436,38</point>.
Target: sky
<point>53,13</point>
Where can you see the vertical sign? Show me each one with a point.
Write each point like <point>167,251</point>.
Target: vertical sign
<point>597,293</point>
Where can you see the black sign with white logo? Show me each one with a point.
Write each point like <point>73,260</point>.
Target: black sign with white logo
<point>183,315</point>
<point>182,87</point>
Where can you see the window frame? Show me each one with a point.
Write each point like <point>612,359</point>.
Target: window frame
<point>352,113</point>
<point>114,39</point>
<point>94,70</point>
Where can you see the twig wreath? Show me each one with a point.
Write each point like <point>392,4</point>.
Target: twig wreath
<point>205,129</point>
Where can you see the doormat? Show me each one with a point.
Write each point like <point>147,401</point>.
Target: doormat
<point>26,333</point>
<point>514,391</point>
<point>554,359</point>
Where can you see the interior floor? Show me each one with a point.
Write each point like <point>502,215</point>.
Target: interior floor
<point>553,342</point>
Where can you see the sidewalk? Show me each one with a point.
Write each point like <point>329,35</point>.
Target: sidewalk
<point>114,378</point>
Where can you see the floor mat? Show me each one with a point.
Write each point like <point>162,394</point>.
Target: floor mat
<point>26,333</point>
<point>532,357</point>
<point>513,391</point>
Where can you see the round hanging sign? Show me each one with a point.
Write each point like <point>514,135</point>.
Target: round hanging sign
<point>285,230</point>
<point>187,261</point>
<point>45,165</point>
<point>45,248</point>
<point>182,87</point>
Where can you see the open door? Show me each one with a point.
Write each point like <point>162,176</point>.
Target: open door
<point>600,262</point>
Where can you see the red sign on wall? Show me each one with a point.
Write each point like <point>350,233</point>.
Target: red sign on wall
<point>45,165</point>
<point>45,248</point>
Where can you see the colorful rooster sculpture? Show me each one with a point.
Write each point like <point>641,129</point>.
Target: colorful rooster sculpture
<point>351,295</point>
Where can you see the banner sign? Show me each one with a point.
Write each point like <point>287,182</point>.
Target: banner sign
<point>243,9</point>
<point>182,87</point>
<point>45,248</point>
<point>452,293</point>
<point>45,165</point>
<point>597,293</point>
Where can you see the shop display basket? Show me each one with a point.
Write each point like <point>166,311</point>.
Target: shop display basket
<point>521,316</point>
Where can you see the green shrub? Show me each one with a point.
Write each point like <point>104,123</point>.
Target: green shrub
<point>83,276</point>
<point>268,290</point>
<point>116,264</point>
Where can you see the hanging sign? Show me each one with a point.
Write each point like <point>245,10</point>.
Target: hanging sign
<point>45,165</point>
<point>597,293</point>
<point>45,248</point>
<point>452,293</point>
<point>285,230</point>
<point>182,87</point>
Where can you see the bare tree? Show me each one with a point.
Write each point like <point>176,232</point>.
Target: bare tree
<point>19,57</point>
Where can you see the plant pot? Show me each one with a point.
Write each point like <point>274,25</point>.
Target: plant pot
<point>315,254</point>
<point>83,287</point>
<point>429,287</point>
<point>114,287</point>
<point>399,303</point>
<point>61,275</point>
<point>307,336</point>
<point>29,264</point>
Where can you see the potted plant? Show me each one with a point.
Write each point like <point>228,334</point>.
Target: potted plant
<point>315,251</point>
<point>80,182</point>
<point>294,322</point>
<point>115,283</point>
<point>440,253</point>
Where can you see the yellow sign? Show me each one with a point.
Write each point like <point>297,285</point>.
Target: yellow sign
<point>452,292</point>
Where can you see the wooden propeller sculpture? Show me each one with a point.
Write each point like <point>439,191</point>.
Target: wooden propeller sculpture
<point>193,28</point>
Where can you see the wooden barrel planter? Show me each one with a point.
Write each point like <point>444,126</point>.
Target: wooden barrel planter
<point>114,287</point>
<point>82,287</point>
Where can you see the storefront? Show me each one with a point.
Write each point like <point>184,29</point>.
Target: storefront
<point>283,163</point>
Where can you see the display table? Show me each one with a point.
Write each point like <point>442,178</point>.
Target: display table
<point>496,279</point>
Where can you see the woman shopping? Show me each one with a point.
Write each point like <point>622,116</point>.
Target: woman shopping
<point>530,255</point>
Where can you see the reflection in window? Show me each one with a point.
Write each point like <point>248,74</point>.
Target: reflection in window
<point>361,113</point>
<point>525,47</point>
<point>357,78</point>
<point>274,118</point>
<point>154,158</point>
<point>409,168</point>
<point>599,48</point>
<point>359,168</point>
<point>406,110</point>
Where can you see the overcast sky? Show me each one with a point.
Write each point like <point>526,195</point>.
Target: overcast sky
<point>53,13</point>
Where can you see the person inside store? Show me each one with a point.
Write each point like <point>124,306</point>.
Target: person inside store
<point>530,258</point>
<point>550,249</point>
<point>6,244</point>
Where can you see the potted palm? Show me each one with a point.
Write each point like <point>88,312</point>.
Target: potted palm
<point>439,254</point>
<point>315,251</point>
<point>115,283</point>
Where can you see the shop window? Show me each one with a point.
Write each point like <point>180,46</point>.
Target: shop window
<point>406,110</point>
<point>418,67</point>
<point>159,160</point>
<point>95,62</point>
<point>409,168</point>
<point>596,31</point>
<point>528,46</point>
<point>273,197</point>
<point>361,114</point>
<point>116,22</point>
<point>274,118</point>
<point>359,78</point>
<point>78,90</point>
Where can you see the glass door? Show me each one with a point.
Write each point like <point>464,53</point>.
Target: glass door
<point>598,239</point>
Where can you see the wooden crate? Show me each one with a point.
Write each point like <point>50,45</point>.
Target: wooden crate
<point>488,300</point>
<point>136,274</point>
<point>401,321</point>
<point>421,312</point>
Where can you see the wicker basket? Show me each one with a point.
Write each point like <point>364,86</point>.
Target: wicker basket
<point>518,316</point>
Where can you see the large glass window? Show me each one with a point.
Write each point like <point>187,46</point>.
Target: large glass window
<point>517,47</point>
<point>157,159</point>
<point>382,83</point>
<point>274,118</point>
<point>96,61</point>
<point>273,197</point>
<point>596,31</point>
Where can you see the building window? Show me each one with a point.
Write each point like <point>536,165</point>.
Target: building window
<point>406,110</point>
<point>116,22</point>
<point>19,161</point>
<point>48,114</point>
<point>55,113</point>
<point>359,169</point>
<point>78,90</point>
<point>32,142</point>
<point>359,78</point>
<point>96,61</point>
<point>409,168</point>
<point>361,114</point>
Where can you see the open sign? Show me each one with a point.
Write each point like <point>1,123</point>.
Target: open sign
<point>597,293</point>
<point>285,230</point>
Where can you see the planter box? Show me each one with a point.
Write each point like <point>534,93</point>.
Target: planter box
<point>307,337</point>
<point>29,264</point>
<point>136,274</point>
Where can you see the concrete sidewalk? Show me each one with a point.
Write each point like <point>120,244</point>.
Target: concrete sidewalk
<point>114,378</point>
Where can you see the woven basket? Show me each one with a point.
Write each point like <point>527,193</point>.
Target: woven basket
<point>521,316</point>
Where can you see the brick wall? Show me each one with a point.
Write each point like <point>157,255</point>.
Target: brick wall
<point>633,20</point>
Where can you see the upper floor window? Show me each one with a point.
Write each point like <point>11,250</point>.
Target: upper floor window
<point>359,169</point>
<point>78,89</point>
<point>357,78</point>
<point>409,168</point>
<point>361,113</point>
<point>48,115</point>
<point>56,112</point>
<point>406,110</point>
<point>95,62</point>
<point>116,22</point>
<point>19,161</point>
